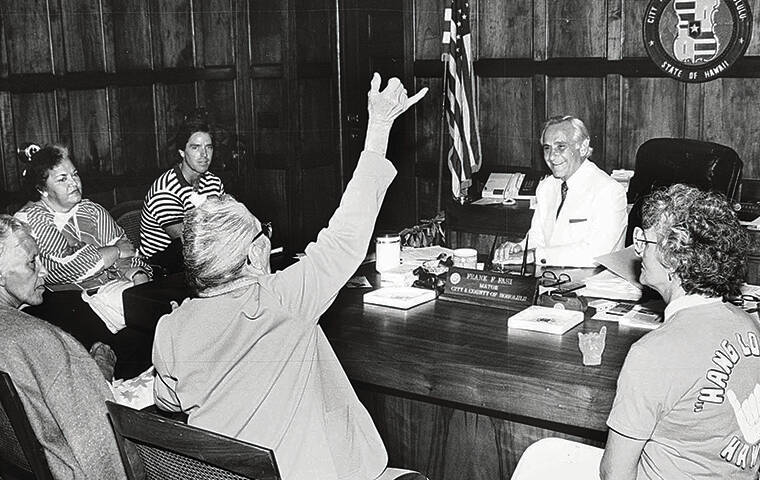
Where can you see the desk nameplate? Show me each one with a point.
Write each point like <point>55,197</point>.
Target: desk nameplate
<point>491,289</point>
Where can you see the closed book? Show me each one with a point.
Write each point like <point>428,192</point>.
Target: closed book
<point>399,297</point>
<point>545,319</point>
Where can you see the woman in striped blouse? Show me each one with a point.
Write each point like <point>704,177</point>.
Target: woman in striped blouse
<point>82,247</point>
<point>79,241</point>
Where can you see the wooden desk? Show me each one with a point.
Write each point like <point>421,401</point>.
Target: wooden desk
<point>455,394</point>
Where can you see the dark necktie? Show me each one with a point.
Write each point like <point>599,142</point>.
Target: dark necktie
<point>563,192</point>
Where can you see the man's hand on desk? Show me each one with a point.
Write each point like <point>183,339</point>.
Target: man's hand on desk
<point>512,254</point>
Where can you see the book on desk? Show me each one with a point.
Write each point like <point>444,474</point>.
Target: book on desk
<point>399,297</point>
<point>545,319</point>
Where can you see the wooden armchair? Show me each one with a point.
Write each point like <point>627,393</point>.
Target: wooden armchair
<point>152,446</point>
<point>21,455</point>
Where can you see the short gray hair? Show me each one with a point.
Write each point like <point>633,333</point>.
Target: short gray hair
<point>581,132</point>
<point>8,226</point>
<point>216,239</point>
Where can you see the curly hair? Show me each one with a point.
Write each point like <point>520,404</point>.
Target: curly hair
<point>700,238</point>
<point>40,164</point>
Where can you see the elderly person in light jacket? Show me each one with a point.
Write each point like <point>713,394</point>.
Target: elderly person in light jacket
<point>247,357</point>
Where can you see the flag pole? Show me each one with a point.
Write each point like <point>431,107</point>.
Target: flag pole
<point>442,123</point>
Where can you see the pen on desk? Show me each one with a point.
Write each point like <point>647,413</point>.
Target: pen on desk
<point>525,257</point>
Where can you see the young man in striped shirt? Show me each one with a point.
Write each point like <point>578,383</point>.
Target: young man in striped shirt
<point>176,192</point>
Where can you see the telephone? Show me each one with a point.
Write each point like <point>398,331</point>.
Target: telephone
<point>510,186</point>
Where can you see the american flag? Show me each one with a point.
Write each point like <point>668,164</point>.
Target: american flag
<point>459,81</point>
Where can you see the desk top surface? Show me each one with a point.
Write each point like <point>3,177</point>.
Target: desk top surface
<point>465,354</point>
<point>458,354</point>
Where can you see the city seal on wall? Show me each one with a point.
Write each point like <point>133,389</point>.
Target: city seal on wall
<point>696,40</point>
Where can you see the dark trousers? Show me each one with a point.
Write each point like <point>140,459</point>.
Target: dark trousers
<point>69,312</point>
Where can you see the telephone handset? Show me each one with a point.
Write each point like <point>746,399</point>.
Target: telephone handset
<point>513,188</point>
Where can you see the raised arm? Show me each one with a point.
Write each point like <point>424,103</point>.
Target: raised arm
<point>309,286</point>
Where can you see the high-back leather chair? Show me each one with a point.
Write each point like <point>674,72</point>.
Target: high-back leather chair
<point>661,162</point>
<point>21,455</point>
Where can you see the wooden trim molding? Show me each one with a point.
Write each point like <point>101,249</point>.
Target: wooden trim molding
<point>46,82</point>
<point>745,67</point>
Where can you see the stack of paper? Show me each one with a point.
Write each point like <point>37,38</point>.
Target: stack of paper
<point>545,319</point>
<point>621,279</point>
<point>608,285</point>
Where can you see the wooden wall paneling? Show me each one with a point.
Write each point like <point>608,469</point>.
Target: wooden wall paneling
<point>63,114</point>
<point>319,200</point>
<point>219,97</point>
<point>130,21</point>
<point>269,201</point>
<point>83,35</point>
<point>614,29</point>
<point>27,36</point>
<point>540,30</point>
<point>428,28</point>
<point>633,18</point>
<point>35,118</point>
<point>613,123</point>
<point>173,42</point>
<point>730,116</point>
<point>90,137</point>
<point>318,132</point>
<point>57,46</point>
<point>4,19</point>
<point>268,22</point>
<point>576,28</point>
<point>269,120</point>
<point>652,107</point>
<point>754,43</point>
<point>427,114</point>
<point>10,168</point>
<point>539,117</point>
<point>505,29</point>
<point>243,104</point>
<point>172,103</point>
<point>216,20</point>
<point>427,188</point>
<point>693,111</point>
<point>314,31</point>
<point>133,130</point>
<point>505,123</point>
<point>582,98</point>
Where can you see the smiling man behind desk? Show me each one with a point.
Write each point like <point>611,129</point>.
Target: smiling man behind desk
<point>580,210</point>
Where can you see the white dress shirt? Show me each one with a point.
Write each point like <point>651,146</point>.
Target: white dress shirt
<point>592,221</point>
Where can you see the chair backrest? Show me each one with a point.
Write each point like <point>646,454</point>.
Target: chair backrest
<point>172,450</point>
<point>661,162</point>
<point>127,215</point>
<point>20,451</point>
<point>552,457</point>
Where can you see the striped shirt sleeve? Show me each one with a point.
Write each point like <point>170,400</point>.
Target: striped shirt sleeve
<point>66,262</point>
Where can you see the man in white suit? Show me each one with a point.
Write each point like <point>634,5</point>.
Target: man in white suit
<point>580,211</point>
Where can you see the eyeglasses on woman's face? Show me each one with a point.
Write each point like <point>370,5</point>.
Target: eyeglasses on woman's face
<point>640,241</point>
<point>266,229</point>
